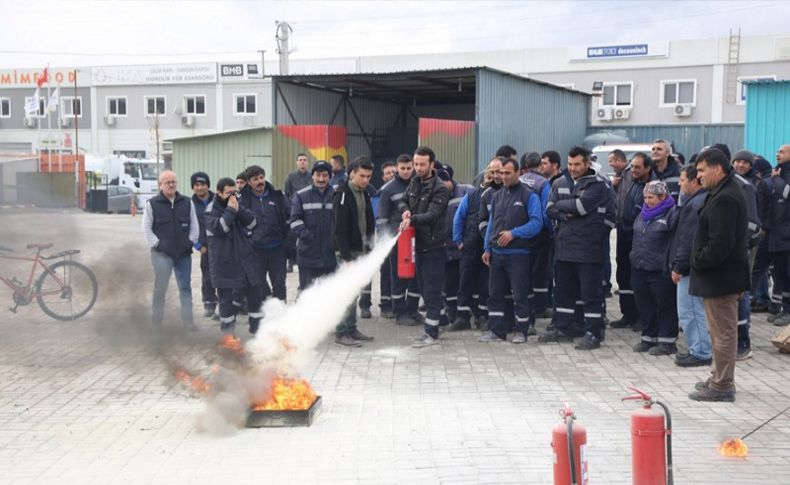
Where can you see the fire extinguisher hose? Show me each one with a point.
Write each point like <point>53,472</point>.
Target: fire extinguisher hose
<point>670,478</point>
<point>571,458</point>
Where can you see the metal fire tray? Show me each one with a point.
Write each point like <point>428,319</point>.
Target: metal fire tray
<point>285,418</point>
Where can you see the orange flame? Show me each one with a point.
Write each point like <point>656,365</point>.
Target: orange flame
<point>288,394</point>
<point>232,344</point>
<point>196,383</point>
<point>734,447</point>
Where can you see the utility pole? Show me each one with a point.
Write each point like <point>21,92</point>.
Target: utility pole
<point>263,65</point>
<point>282,35</point>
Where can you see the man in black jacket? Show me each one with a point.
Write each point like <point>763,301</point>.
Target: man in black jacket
<point>720,269</point>
<point>353,237</point>
<point>201,198</point>
<point>234,268</point>
<point>424,206</point>
<point>666,168</point>
<point>779,233</point>
<point>272,211</point>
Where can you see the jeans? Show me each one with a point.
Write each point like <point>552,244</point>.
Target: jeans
<point>744,321</point>
<point>691,315</point>
<point>163,266</point>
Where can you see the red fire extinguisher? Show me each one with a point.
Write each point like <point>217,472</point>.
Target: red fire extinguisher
<point>406,254</point>
<point>651,441</point>
<point>569,442</point>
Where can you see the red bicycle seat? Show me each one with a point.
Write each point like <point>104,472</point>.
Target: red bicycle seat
<point>40,246</point>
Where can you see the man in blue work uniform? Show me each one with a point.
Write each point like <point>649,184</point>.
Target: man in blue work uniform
<point>452,265</point>
<point>272,211</point>
<point>311,222</point>
<point>515,221</point>
<point>201,198</point>
<point>578,203</point>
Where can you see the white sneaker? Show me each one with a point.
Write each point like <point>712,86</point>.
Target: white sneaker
<point>425,341</point>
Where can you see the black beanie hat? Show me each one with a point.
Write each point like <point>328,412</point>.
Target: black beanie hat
<point>321,165</point>
<point>199,177</point>
<point>722,148</point>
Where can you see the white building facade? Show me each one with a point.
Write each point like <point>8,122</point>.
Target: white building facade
<point>122,109</point>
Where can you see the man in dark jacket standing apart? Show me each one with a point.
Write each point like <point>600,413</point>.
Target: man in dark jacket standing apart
<point>779,233</point>
<point>353,236</point>
<point>720,269</point>
<point>424,206</point>
<point>311,222</point>
<point>201,198</point>
<point>171,228</point>
<point>272,211</point>
<point>234,268</point>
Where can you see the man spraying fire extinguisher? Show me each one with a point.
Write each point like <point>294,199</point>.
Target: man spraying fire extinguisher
<point>424,206</point>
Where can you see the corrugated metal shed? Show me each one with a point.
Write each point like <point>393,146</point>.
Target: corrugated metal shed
<point>767,116</point>
<point>381,110</point>
<point>11,165</point>
<point>529,115</point>
<point>687,138</point>
<point>224,155</point>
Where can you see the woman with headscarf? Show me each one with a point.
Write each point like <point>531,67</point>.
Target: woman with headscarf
<point>654,291</point>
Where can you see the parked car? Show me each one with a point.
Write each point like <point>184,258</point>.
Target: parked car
<point>119,199</point>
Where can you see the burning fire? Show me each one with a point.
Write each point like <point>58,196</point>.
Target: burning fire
<point>232,344</point>
<point>288,394</point>
<point>196,383</point>
<point>734,447</point>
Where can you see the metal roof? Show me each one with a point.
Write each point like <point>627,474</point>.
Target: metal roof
<point>226,132</point>
<point>452,85</point>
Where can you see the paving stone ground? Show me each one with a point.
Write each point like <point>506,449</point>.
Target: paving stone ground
<point>94,401</point>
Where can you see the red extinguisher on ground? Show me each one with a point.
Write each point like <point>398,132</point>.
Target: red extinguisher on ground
<point>651,441</point>
<point>569,442</point>
<point>407,268</point>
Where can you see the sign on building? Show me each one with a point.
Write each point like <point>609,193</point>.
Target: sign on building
<point>157,74</point>
<point>647,50</point>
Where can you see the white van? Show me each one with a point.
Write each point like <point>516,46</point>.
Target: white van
<point>602,152</point>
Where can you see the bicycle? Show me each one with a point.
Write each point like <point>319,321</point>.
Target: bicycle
<point>65,290</point>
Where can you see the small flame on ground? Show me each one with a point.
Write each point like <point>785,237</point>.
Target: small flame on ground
<point>233,344</point>
<point>288,394</point>
<point>734,447</point>
<point>196,383</point>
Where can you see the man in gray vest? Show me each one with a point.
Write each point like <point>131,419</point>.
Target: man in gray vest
<point>171,228</point>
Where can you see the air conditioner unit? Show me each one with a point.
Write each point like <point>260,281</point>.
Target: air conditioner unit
<point>682,110</point>
<point>188,120</point>
<point>621,113</point>
<point>109,120</point>
<point>65,122</point>
<point>603,113</point>
<point>29,122</point>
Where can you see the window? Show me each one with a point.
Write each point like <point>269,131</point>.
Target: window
<point>116,106</point>
<point>741,99</point>
<point>155,106</point>
<point>5,108</point>
<point>72,107</point>
<point>195,105</point>
<point>42,106</point>
<point>683,91</point>
<point>617,94</point>
<point>244,104</point>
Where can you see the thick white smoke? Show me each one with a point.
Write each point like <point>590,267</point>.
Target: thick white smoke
<point>289,334</point>
<point>286,340</point>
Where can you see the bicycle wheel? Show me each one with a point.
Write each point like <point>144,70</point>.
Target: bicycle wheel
<point>67,291</point>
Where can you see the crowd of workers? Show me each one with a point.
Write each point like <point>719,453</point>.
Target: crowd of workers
<point>528,239</point>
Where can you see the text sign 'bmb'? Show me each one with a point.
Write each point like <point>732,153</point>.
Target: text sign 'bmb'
<point>232,70</point>
<point>633,50</point>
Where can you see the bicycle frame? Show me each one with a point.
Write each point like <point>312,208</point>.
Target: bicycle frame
<point>37,261</point>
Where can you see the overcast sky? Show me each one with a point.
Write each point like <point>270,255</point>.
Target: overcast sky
<point>69,33</point>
